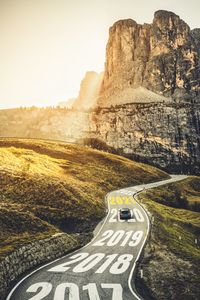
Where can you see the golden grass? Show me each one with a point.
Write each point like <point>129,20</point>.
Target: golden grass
<point>47,187</point>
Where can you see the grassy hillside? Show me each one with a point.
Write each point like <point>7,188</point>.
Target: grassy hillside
<point>172,258</point>
<point>48,187</point>
<point>183,194</point>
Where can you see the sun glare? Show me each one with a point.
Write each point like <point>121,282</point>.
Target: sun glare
<point>47,46</point>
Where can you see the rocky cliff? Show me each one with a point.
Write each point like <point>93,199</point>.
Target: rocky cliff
<point>196,35</point>
<point>149,103</point>
<point>166,135</point>
<point>162,57</point>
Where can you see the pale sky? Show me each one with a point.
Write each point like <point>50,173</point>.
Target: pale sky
<point>46,46</point>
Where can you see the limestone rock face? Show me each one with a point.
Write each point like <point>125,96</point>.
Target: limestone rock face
<point>166,135</point>
<point>162,57</point>
<point>196,35</point>
<point>89,90</point>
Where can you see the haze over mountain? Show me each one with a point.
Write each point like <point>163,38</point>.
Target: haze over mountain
<point>67,104</point>
<point>88,93</point>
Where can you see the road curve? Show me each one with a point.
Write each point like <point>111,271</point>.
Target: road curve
<point>103,269</point>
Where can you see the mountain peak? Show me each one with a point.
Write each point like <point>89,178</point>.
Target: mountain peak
<point>165,14</point>
<point>162,57</point>
<point>125,22</point>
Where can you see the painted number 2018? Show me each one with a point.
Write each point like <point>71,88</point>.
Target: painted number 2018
<point>116,263</point>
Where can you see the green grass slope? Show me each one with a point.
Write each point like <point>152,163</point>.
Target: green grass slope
<point>172,257</point>
<point>49,187</point>
<point>183,194</point>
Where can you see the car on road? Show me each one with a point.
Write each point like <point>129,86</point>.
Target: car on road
<point>124,213</point>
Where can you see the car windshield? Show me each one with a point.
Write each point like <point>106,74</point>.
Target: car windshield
<point>125,210</point>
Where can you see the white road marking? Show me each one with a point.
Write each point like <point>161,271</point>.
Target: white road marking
<point>73,290</point>
<point>139,253</point>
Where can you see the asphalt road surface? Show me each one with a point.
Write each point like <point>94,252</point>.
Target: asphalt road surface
<point>103,269</point>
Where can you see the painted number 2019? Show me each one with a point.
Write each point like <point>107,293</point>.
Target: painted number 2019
<point>111,238</point>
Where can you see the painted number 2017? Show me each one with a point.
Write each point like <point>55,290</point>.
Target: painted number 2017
<point>73,291</point>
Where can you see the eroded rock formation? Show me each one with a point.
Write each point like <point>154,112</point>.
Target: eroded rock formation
<point>162,57</point>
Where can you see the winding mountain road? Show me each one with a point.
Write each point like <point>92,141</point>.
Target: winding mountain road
<point>103,269</point>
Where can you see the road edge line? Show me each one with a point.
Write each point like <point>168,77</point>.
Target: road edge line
<point>140,251</point>
<point>147,235</point>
